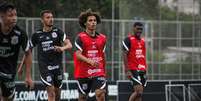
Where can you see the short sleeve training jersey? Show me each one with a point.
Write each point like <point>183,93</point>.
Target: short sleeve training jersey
<point>136,56</point>
<point>9,49</point>
<point>93,48</point>
<point>46,42</point>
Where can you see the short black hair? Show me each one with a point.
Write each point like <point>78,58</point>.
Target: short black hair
<point>137,24</point>
<point>5,6</point>
<point>45,11</point>
<point>84,15</point>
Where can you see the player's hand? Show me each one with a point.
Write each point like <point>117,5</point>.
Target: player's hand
<point>129,74</point>
<point>93,63</point>
<point>58,49</point>
<point>29,83</point>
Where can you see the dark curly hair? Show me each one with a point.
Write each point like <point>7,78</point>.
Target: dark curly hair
<point>84,15</point>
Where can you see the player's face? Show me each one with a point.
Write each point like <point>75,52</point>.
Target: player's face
<point>91,23</point>
<point>47,19</point>
<point>138,30</point>
<point>9,18</point>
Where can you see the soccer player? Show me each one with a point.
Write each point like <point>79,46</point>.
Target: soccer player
<point>90,58</point>
<point>51,42</point>
<point>12,38</point>
<point>134,53</point>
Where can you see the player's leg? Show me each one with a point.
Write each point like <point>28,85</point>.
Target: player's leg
<point>47,80</point>
<point>58,93</point>
<point>137,87</point>
<point>82,97</point>
<point>51,93</point>
<point>99,84</point>
<point>140,89</point>
<point>137,94</point>
<point>83,88</point>
<point>8,90</point>
<point>58,77</point>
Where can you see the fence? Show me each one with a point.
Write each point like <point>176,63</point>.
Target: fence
<point>173,47</point>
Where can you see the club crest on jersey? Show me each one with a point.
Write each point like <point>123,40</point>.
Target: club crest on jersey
<point>84,86</point>
<point>49,78</point>
<point>14,40</point>
<point>54,34</point>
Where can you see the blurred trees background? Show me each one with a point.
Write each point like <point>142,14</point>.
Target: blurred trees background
<point>117,9</point>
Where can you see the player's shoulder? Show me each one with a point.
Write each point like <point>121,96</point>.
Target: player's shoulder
<point>17,30</point>
<point>127,38</point>
<point>101,35</point>
<point>39,31</point>
<point>143,39</point>
<point>82,34</point>
<point>57,30</point>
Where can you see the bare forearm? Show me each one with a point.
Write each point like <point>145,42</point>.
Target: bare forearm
<point>67,44</point>
<point>125,61</point>
<point>21,63</point>
<point>81,57</point>
<point>28,63</point>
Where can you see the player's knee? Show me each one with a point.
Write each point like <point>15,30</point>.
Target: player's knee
<point>100,92</point>
<point>51,94</point>
<point>50,91</point>
<point>139,94</point>
<point>82,97</point>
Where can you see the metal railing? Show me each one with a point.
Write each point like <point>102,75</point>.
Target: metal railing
<point>173,47</point>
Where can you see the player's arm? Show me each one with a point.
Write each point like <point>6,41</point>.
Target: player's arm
<point>26,46</point>
<point>66,46</point>
<point>28,63</point>
<point>66,42</point>
<point>79,56</point>
<point>85,59</point>
<point>126,47</point>
<point>20,69</point>
<point>125,53</point>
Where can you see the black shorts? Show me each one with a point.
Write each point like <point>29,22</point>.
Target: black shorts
<point>7,85</point>
<point>87,86</point>
<point>52,78</point>
<point>138,78</point>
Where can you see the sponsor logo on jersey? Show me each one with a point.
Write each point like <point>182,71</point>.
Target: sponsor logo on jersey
<point>52,67</point>
<point>91,71</point>
<point>139,53</point>
<point>6,52</point>
<point>47,45</point>
<point>141,66</point>
<point>14,40</point>
<point>91,94</point>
